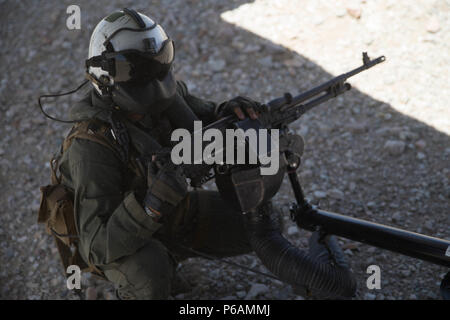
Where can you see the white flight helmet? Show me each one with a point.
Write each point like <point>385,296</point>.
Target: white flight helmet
<point>130,60</point>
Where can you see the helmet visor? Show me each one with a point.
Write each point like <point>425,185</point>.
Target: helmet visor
<point>141,67</point>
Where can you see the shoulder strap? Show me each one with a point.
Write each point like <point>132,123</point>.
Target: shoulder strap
<point>92,130</point>
<point>99,132</point>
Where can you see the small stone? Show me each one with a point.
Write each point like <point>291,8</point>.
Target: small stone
<point>336,194</point>
<point>371,249</point>
<point>54,282</point>
<point>226,33</point>
<point>352,186</point>
<point>368,40</point>
<point>256,290</point>
<point>309,163</point>
<point>432,295</point>
<point>251,48</point>
<point>241,294</point>
<point>22,239</point>
<point>371,204</point>
<point>214,273</point>
<point>404,135</point>
<point>350,246</point>
<point>394,147</point>
<point>341,12</point>
<point>406,273</point>
<point>91,293</point>
<point>66,45</point>
<point>357,127</point>
<point>348,252</point>
<point>292,230</point>
<point>354,12</point>
<point>179,296</point>
<point>191,85</point>
<point>320,194</point>
<point>429,225</point>
<point>387,115</point>
<point>420,144</point>
<point>217,65</point>
<point>421,155</point>
<point>396,217</point>
<point>9,253</point>
<point>303,130</point>
<point>306,174</point>
<point>433,25</point>
<point>274,49</point>
<point>266,61</point>
<point>294,62</point>
<point>32,285</point>
<point>412,297</point>
<point>369,296</point>
<point>319,20</point>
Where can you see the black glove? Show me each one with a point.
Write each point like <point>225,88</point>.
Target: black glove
<point>167,186</point>
<point>240,106</point>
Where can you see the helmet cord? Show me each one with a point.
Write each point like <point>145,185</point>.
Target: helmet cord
<point>64,94</point>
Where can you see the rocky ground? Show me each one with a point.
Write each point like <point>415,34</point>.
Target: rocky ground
<point>380,152</point>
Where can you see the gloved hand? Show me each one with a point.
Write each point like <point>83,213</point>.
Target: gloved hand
<point>166,187</point>
<point>240,106</point>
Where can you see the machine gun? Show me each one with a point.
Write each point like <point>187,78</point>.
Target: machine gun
<point>277,114</point>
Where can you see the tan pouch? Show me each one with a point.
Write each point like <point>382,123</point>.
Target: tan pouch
<point>56,208</point>
<point>56,211</point>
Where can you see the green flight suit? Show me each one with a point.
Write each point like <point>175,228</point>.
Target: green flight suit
<point>116,235</point>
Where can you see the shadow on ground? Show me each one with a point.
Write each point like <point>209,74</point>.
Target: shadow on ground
<point>345,138</point>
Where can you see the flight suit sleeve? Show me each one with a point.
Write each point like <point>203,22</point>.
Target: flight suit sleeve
<point>111,221</point>
<point>204,109</point>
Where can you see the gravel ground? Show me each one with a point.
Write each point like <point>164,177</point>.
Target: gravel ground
<point>380,152</point>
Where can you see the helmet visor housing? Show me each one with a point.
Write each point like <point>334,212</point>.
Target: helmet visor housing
<point>140,67</point>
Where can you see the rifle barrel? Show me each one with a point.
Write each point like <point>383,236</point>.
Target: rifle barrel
<point>277,103</point>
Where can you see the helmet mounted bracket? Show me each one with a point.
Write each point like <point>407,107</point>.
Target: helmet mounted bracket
<point>135,16</point>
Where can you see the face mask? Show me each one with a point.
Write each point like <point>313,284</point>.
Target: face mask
<point>146,98</point>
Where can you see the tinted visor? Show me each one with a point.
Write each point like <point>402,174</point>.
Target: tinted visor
<point>141,67</point>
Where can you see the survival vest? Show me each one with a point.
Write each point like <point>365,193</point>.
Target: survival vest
<point>57,201</point>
